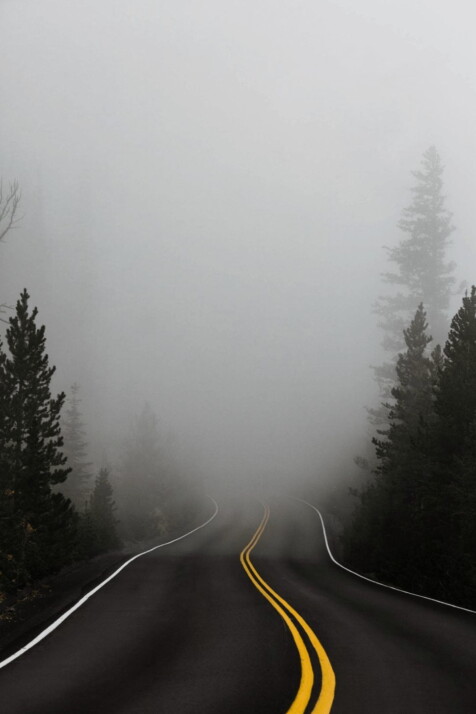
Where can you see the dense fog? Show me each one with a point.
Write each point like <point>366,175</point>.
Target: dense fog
<point>207,188</point>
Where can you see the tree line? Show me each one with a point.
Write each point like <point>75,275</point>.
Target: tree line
<point>40,528</point>
<point>415,521</point>
<point>54,509</point>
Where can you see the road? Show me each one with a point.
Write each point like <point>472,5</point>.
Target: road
<point>186,629</point>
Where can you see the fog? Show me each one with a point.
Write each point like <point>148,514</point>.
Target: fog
<point>207,187</point>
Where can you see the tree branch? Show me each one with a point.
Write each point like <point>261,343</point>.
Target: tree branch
<point>9,203</point>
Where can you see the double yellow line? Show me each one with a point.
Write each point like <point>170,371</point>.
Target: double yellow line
<point>296,625</point>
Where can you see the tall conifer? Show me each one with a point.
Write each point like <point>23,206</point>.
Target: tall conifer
<point>456,403</point>
<point>422,274</point>
<point>77,485</point>
<point>454,479</point>
<point>41,523</point>
<point>144,481</point>
<point>102,512</point>
<point>388,529</point>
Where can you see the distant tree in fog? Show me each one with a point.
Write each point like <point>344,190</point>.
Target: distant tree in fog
<point>143,484</point>
<point>98,523</point>
<point>77,486</point>
<point>102,508</point>
<point>422,274</point>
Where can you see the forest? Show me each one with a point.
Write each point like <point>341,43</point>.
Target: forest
<point>413,525</point>
<point>54,510</point>
<point>237,357</point>
<point>415,522</point>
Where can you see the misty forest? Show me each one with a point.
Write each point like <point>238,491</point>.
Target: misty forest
<point>415,521</point>
<point>237,261</point>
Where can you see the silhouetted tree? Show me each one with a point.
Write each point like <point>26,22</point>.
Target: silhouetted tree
<point>454,489</point>
<point>415,523</point>
<point>463,496</point>
<point>101,510</point>
<point>41,523</point>
<point>387,530</point>
<point>456,402</point>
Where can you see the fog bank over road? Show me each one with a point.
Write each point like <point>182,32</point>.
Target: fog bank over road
<point>206,193</point>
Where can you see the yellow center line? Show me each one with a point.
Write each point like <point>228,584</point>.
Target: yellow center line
<point>301,701</point>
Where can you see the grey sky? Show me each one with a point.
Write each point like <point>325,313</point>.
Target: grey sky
<point>207,187</point>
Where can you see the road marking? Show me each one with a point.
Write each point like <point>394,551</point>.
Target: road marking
<point>303,696</point>
<point>376,582</point>
<point>92,592</point>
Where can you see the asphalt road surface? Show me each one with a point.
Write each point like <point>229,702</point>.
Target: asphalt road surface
<point>189,628</point>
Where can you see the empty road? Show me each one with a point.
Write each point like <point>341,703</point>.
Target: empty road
<point>248,615</point>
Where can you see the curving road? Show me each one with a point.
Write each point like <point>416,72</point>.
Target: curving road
<point>185,629</point>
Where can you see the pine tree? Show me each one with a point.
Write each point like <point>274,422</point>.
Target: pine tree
<point>101,513</point>
<point>413,393</point>
<point>405,452</point>
<point>422,273</point>
<point>456,403</point>
<point>10,531</point>
<point>463,495</point>
<point>143,484</point>
<point>86,547</point>
<point>41,524</point>
<point>388,527</point>
<point>453,496</point>
<point>77,485</point>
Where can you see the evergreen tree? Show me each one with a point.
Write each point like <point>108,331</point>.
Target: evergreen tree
<point>77,486</point>
<point>453,496</point>
<point>389,517</point>
<point>404,454</point>
<point>86,546</point>
<point>463,496</point>
<point>101,512</point>
<point>143,483</point>
<point>422,273</point>
<point>456,402</point>
<point>41,524</point>
<point>413,393</point>
<point>9,524</point>
<point>415,524</point>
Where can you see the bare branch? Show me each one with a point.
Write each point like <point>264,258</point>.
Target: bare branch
<point>9,202</point>
<point>4,307</point>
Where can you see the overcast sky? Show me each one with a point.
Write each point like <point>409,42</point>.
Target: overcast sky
<point>207,187</point>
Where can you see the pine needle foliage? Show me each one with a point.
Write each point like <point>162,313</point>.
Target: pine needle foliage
<point>421,272</point>
<point>77,487</point>
<point>102,512</point>
<point>414,526</point>
<point>391,505</point>
<point>37,527</point>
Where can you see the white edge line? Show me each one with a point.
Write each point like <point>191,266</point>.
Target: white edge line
<point>376,582</point>
<point>86,597</point>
